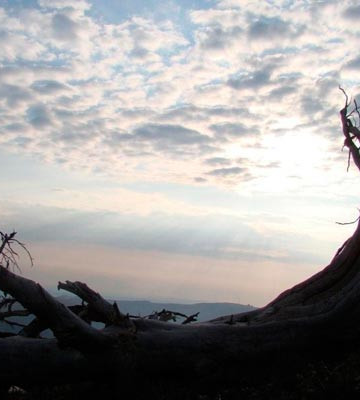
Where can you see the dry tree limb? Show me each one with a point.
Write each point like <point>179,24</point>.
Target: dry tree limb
<point>97,305</point>
<point>191,318</point>
<point>7,302</point>
<point>68,328</point>
<point>34,328</point>
<point>168,315</point>
<point>13,323</point>
<point>348,128</point>
<point>313,314</point>
<point>14,313</point>
<point>94,299</point>
<point>5,239</point>
<point>349,223</point>
<point>346,96</point>
<point>37,326</point>
<point>7,253</point>
<point>165,315</point>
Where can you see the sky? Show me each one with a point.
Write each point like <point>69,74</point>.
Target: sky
<point>186,150</point>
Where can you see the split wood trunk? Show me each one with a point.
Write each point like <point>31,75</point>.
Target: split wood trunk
<point>321,312</point>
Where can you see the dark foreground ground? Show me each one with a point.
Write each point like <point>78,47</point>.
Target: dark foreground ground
<point>334,376</point>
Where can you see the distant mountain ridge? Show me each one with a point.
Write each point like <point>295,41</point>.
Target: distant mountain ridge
<point>142,308</point>
<point>207,311</point>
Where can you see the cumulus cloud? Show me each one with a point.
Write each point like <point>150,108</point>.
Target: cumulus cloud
<point>281,92</point>
<point>14,95</point>
<point>233,130</point>
<point>170,135</point>
<point>353,64</point>
<point>231,171</point>
<point>267,29</point>
<point>39,116</point>
<point>253,80</point>
<point>218,38</point>
<point>48,86</point>
<point>352,13</point>
<point>217,161</point>
<point>191,112</point>
<point>163,138</point>
<point>310,105</point>
<point>61,4</point>
<point>200,179</point>
<point>64,28</point>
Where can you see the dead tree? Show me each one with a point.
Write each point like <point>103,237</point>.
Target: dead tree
<point>321,312</point>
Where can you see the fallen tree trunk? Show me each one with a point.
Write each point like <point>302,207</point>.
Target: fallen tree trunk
<point>317,314</point>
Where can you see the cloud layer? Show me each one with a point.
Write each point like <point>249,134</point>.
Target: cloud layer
<point>206,130</point>
<point>101,95</point>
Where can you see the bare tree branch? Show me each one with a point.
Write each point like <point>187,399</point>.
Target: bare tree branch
<point>107,313</point>
<point>348,129</point>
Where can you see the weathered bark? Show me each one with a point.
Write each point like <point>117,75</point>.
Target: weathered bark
<point>320,311</point>
<point>67,326</point>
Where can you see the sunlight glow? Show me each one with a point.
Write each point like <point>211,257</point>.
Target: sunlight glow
<point>299,158</point>
<point>299,153</point>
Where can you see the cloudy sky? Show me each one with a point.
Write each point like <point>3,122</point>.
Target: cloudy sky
<point>182,149</point>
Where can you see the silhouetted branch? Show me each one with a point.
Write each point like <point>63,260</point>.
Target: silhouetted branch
<point>350,131</point>
<point>349,223</point>
<point>167,315</point>
<point>191,318</point>
<point>97,305</point>
<point>7,253</point>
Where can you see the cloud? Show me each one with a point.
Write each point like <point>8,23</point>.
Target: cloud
<point>311,105</point>
<point>212,235</point>
<point>190,112</point>
<point>179,233</point>
<point>279,93</point>
<point>231,171</point>
<point>252,80</point>
<point>218,38</point>
<point>217,161</point>
<point>145,36</point>
<point>215,17</point>
<point>352,13</point>
<point>21,141</point>
<point>48,86</point>
<point>139,52</point>
<point>127,96</point>
<point>64,28</point>
<point>233,130</point>
<point>273,164</point>
<point>164,138</point>
<point>16,127</point>
<point>14,95</point>
<point>270,28</point>
<point>18,45</point>
<point>353,64</point>
<point>39,116</point>
<point>61,4</point>
<point>170,135</point>
<point>200,179</point>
